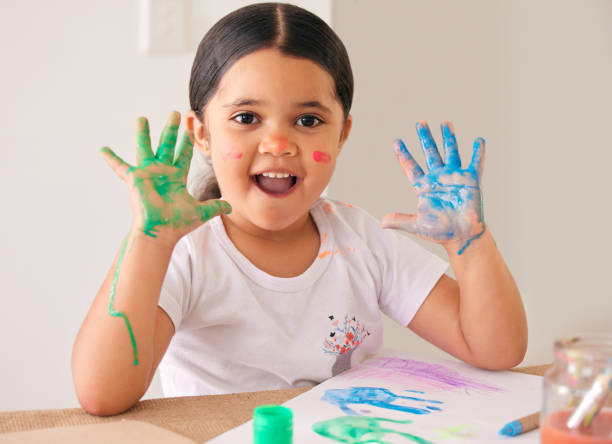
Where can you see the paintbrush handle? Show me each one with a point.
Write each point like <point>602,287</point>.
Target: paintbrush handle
<point>592,402</point>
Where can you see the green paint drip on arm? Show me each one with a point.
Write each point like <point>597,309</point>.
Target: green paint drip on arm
<point>115,313</point>
<point>164,199</point>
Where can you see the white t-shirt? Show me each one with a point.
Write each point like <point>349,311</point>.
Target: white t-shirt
<point>238,328</point>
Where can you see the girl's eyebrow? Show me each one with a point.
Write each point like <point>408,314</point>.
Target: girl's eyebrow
<point>244,102</point>
<point>254,102</point>
<point>313,104</point>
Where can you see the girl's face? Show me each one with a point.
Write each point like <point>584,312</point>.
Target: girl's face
<point>273,129</point>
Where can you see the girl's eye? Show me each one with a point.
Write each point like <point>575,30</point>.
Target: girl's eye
<point>308,121</point>
<point>245,118</point>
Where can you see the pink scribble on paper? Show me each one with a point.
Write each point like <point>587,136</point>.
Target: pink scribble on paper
<point>427,376</point>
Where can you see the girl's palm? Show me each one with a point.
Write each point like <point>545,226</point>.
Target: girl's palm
<point>449,207</point>
<point>158,194</point>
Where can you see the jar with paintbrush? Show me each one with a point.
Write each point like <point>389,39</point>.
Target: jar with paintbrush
<point>577,392</point>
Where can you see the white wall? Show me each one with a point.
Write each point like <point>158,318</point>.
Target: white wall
<point>71,82</point>
<point>531,77</point>
<point>534,79</point>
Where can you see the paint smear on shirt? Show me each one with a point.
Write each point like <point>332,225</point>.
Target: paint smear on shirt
<point>325,253</point>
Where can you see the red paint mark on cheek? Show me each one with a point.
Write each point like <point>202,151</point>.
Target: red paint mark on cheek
<point>233,155</point>
<point>320,156</point>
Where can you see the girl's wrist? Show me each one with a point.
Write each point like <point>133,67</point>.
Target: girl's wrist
<point>163,242</point>
<point>466,248</point>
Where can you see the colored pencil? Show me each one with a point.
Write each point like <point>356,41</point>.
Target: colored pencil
<point>521,425</point>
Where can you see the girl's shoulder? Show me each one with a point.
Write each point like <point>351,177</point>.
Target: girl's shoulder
<point>340,208</point>
<point>346,213</point>
<point>350,222</point>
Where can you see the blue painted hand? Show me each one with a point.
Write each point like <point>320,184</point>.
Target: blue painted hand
<point>449,207</point>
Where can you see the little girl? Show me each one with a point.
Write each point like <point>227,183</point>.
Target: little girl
<point>285,288</point>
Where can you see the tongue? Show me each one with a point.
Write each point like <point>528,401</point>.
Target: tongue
<point>275,185</point>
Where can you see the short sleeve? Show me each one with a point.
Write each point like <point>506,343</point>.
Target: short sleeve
<point>409,272</point>
<point>176,288</point>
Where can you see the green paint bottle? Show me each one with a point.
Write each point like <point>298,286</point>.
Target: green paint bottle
<point>272,424</point>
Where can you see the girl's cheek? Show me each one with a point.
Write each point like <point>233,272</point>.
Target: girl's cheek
<point>321,157</point>
<point>233,155</point>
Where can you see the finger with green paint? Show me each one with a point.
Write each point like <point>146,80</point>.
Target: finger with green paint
<point>161,204</point>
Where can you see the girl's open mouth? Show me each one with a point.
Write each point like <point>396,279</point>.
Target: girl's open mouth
<point>276,184</point>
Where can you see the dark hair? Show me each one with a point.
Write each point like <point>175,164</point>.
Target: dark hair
<point>292,30</point>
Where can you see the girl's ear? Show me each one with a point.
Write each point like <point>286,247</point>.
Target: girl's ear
<point>346,129</point>
<point>194,124</point>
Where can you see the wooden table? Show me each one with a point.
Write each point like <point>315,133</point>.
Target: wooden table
<point>197,417</point>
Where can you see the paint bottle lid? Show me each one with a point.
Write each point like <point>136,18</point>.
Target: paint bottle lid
<point>272,424</point>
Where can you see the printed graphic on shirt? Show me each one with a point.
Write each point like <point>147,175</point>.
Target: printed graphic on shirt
<point>343,339</point>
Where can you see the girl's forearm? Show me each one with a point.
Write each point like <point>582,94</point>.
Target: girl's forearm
<point>491,312</point>
<point>111,372</point>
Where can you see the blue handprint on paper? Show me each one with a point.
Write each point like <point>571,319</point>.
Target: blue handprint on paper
<point>376,397</point>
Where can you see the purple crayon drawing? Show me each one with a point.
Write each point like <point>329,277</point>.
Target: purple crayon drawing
<point>428,376</point>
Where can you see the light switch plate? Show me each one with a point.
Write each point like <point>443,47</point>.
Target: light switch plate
<point>162,27</point>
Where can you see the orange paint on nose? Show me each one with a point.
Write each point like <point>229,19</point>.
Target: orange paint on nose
<point>276,143</point>
<point>320,156</point>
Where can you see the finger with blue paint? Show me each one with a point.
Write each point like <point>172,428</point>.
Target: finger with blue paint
<point>429,147</point>
<point>478,157</point>
<point>411,168</point>
<point>449,207</point>
<point>451,151</point>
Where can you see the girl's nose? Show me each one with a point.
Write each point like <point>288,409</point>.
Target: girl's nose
<point>277,145</point>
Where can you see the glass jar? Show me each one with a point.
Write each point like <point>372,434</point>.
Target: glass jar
<point>580,366</point>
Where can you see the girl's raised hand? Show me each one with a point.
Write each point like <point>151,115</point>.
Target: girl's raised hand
<point>449,207</point>
<point>161,204</point>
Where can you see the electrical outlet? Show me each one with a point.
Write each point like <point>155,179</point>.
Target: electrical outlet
<point>162,27</point>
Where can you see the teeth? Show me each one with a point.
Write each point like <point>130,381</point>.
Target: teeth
<point>276,175</point>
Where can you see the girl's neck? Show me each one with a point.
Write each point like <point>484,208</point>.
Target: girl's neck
<point>285,253</point>
<point>236,224</point>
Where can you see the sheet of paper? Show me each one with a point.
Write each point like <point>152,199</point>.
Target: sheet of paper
<point>396,397</point>
<point>122,431</point>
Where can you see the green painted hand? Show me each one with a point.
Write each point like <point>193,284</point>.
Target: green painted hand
<point>160,200</point>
